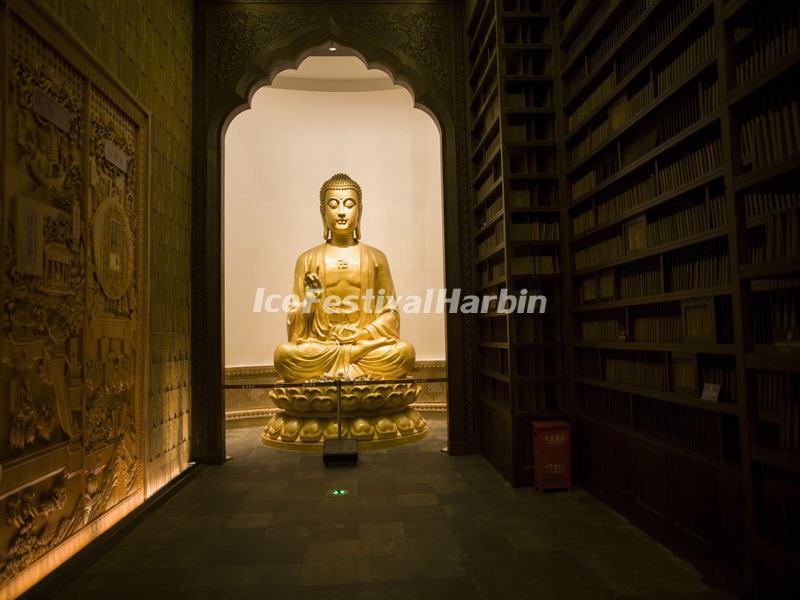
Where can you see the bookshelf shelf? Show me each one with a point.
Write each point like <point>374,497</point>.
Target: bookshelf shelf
<point>774,361</point>
<point>768,173</point>
<point>522,244</point>
<point>725,467</point>
<point>532,176</point>
<point>661,347</point>
<point>664,46</point>
<point>491,130</point>
<point>484,171</point>
<point>526,46</point>
<point>770,269</point>
<point>489,59</point>
<point>523,345</point>
<point>729,409</point>
<point>588,39</point>
<point>526,14</point>
<point>490,97</point>
<point>475,25</point>
<point>658,200</point>
<point>529,111</point>
<point>504,377</point>
<point>580,20</point>
<point>636,120</point>
<point>531,143</point>
<point>777,71</point>
<point>542,276</point>
<point>491,222</point>
<point>656,299</point>
<point>773,457</point>
<point>538,378</point>
<point>685,135</point>
<point>642,254</point>
<point>734,7</point>
<point>519,210</point>
<point>625,83</point>
<point>486,74</point>
<point>528,78</point>
<point>493,283</point>
<point>499,345</point>
<point>490,193</point>
<point>493,252</point>
<point>497,406</point>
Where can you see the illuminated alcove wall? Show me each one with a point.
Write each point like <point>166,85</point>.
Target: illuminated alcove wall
<point>330,115</point>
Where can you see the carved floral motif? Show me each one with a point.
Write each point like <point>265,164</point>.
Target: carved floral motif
<point>240,36</point>
<point>420,34</point>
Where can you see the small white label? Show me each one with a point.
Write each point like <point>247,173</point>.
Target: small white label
<point>50,109</point>
<point>711,392</point>
<point>116,156</point>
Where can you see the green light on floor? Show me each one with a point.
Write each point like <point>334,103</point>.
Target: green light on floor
<point>339,492</point>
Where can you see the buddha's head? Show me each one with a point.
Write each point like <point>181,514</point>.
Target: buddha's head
<point>340,206</point>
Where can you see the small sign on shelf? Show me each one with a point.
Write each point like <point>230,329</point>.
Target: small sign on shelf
<point>711,392</point>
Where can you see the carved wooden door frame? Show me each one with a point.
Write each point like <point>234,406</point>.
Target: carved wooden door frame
<point>420,47</point>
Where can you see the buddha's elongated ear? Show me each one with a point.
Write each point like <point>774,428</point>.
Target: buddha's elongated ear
<point>325,230</point>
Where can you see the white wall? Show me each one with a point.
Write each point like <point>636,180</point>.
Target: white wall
<point>277,155</point>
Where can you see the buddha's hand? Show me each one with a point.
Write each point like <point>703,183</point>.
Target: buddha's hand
<point>313,291</point>
<point>350,334</point>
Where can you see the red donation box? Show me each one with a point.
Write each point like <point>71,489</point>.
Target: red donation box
<point>552,467</point>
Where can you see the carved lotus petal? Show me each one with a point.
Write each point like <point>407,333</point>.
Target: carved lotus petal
<point>301,403</point>
<point>323,404</point>
<point>350,402</point>
<point>311,431</point>
<point>386,429</point>
<point>361,430</point>
<point>404,425</point>
<point>290,430</point>
<point>332,430</point>
<point>373,401</point>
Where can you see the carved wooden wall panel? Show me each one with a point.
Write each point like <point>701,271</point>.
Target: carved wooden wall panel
<point>73,288</point>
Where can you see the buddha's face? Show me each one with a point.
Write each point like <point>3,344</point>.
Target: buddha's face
<point>341,211</point>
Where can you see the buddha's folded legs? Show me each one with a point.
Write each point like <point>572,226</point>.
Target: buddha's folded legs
<point>383,358</point>
<point>306,360</point>
<point>390,361</point>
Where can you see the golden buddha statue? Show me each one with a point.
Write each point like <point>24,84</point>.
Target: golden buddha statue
<point>343,324</point>
<point>330,337</point>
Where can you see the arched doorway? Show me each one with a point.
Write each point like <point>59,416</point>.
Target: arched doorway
<point>208,439</point>
<point>330,115</point>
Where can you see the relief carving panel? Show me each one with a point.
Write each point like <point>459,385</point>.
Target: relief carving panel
<point>72,283</point>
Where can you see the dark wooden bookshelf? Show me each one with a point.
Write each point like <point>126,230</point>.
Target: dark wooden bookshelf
<point>660,137</point>
<point>757,430</point>
<point>512,48</point>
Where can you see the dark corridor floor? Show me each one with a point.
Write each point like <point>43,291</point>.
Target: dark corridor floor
<point>415,524</point>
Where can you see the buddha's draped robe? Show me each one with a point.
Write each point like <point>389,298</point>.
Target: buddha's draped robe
<point>313,353</point>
